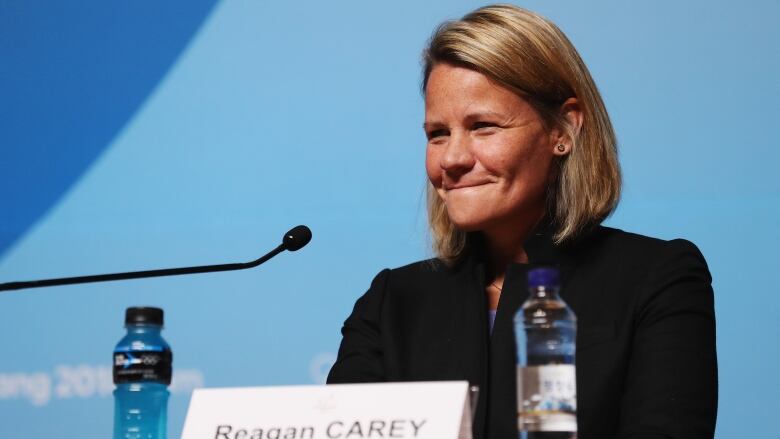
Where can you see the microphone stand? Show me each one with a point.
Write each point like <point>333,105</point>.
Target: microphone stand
<point>293,240</point>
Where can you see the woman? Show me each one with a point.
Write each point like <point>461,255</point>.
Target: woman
<point>523,168</point>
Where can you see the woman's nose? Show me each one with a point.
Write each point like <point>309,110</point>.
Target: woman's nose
<point>457,158</point>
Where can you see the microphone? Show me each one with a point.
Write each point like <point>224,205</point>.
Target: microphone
<point>293,240</point>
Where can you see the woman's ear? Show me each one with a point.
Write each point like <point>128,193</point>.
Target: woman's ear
<point>572,115</point>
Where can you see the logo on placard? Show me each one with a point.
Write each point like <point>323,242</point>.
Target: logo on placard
<point>326,403</point>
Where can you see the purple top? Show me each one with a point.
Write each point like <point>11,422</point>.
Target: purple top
<point>491,319</point>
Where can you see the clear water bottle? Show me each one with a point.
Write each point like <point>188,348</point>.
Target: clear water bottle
<point>142,373</point>
<point>546,331</point>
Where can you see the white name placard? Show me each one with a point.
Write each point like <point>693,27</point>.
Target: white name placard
<point>429,410</point>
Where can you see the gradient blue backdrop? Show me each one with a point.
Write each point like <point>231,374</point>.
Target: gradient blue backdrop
<point>144,134</point>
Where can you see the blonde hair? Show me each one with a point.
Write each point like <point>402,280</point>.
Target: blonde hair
<point>528,54</point>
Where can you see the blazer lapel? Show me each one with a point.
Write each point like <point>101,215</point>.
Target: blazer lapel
<point>470,328</point>
<point>502,357</point>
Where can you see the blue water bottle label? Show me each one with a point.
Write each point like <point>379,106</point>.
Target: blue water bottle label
<point>147,365</point>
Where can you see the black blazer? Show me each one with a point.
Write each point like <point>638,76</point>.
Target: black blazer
<point>646,362</point>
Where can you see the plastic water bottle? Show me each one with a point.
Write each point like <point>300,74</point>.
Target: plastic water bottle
<point>546,331</point>
<point>142,373</point>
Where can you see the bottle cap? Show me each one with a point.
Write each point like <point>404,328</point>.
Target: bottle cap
<point>543,277</point>
<point>144,315</point>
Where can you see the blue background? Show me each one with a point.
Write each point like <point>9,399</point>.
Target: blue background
<point>138,135</point>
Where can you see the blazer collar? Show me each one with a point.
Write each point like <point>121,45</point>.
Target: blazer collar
<point>539,247</point>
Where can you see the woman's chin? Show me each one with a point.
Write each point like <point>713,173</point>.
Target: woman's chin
<point>468,224</point>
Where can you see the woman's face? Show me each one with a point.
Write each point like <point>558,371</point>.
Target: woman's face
<point>489,155</point>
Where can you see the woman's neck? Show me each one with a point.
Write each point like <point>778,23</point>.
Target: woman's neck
<point>505,246</point>
<point>500,254</point>
<point>506,251</point>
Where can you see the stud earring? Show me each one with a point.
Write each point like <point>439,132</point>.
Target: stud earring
<point>561,147</point>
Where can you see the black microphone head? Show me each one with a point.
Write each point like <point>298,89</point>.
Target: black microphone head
<point>296,238</point>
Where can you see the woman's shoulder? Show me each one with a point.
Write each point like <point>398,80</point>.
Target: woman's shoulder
<point>424,267</point>
<point>433,269</point>
<point>423,277</point>
<point>625,251</point>
<point>620,244</point>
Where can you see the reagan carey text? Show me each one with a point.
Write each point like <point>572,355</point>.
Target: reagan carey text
<point>396,428</point>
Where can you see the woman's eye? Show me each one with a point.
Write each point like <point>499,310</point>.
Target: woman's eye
<point>436,133</point>
<point>482,125</point>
